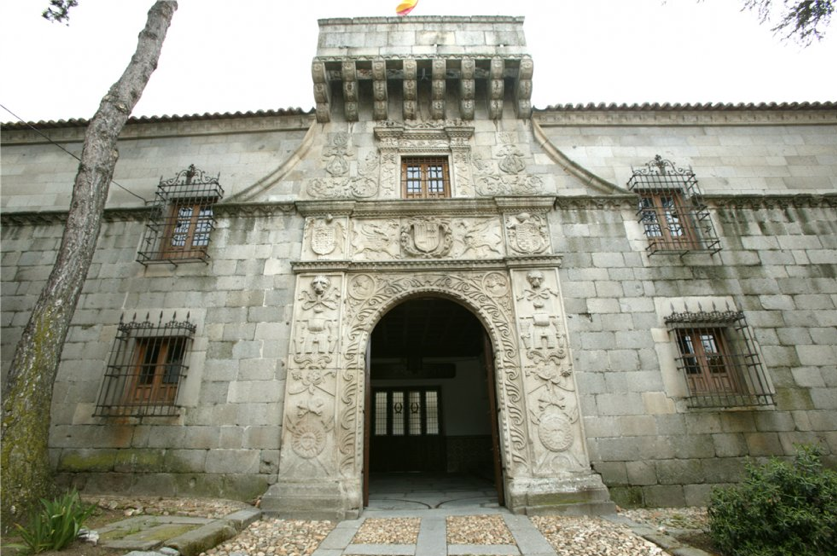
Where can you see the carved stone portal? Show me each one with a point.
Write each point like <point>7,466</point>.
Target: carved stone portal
<point>541,441</point>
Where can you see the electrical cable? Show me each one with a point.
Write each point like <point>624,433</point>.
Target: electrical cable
<point>36,130</point>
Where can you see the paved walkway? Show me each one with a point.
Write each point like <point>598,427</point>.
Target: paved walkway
<point>432,539</point>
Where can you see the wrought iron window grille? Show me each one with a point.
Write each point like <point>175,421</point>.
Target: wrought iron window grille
<point>180,225</point>
<point>719,359</point>
<point>146,367</point>
<point>671,209</point>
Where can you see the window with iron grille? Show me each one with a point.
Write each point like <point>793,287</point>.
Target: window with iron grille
<point>146,368</point>
<point>182,219</point>
<point>718,357</point>
<point>425,178</point>
<point>671,210</point>
<point>406,412</point>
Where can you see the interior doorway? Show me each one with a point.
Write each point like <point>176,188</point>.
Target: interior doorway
<point>431,417</point>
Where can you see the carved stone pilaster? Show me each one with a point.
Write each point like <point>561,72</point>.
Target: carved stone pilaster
<point>467,88</point>
<point>322,92</point>
<point>350,90</point>
<point>523,88</point>
<point>379,89</point>
<point>496,89</point>
<point>410,93</point>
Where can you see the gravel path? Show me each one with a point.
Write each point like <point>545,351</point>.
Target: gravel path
<point>279,537</point>
<point>478,529</point>
<point>670,518</point>
<point>592,536</point>
<point>394,530</point>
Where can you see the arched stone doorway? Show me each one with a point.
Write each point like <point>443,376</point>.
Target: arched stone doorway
<point>541,442</point>
<point>431,402</point>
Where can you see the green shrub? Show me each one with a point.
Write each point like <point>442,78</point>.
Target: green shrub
<point>781,509</point>
<point>56,524</point>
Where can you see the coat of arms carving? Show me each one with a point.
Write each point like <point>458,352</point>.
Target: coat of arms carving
<point>427,238</point>
<point>326,236</point>
<point>528,234</point>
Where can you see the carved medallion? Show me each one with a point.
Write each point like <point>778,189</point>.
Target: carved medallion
<point>427,238</point>
<point>309,437</point>
<point>555,431</point>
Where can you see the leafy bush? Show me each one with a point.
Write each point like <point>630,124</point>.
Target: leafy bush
<point>56,524</point>
<point>781,509</point>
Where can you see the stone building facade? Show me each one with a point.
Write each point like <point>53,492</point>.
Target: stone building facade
<point>608,303</point>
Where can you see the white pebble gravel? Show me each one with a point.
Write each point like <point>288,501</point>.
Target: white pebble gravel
<point>592,536</point>
<point>276,537</point>
<point>478,529</point>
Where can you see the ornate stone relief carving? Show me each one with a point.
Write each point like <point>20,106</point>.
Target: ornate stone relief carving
<point>427,238</point>
<point>550,387</point>
<point>376,241</point>
<point>528,234</point>
<point>326,237</point>
<point>488,295</point>
<point>505,175</point>
<point>479,239</point>
<point>311,386</point>
<point>425,137</point>
<point>341,184</point>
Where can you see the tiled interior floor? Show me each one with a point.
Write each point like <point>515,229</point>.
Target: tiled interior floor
<point>414,491</point>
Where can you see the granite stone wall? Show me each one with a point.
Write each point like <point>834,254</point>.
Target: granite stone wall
<point>777,265</point>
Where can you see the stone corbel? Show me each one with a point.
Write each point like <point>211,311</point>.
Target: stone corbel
<point>322,92</point>
<point>410,89</point>
<point>496,89</point>
<point>523,88</point>
<point>350,90</point>
<point>437,101</point>
<point>467,88</point>
<point>379,89</point>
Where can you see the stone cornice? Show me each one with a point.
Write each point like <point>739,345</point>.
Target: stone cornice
<point>140,214</point>
<point>446,207</point>
<point>428,265</point>
<point>152,128</point>
<point>687,116</point>
<point>715,201</point>
<point>757,202</point>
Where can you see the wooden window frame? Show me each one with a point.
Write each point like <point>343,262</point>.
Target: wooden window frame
<point>156,381</point>
<point>418,181</point>
<point>146,368</point>
<point>719,359</point>
<point>198,225</point>
<point>676,231</point>
<point>706,361</point>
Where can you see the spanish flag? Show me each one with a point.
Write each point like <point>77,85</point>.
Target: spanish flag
<point>406,7</point>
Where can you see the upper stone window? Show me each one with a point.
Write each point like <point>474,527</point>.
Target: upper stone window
<point>671,211</point>
<point>718,357</point>
<point>182,219</point>
<point>425,178</point>
<point>146,368</point>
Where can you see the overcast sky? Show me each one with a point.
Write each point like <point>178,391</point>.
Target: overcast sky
<point>228,56</point>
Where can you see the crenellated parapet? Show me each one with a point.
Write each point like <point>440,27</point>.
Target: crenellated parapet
<point>423,68</point>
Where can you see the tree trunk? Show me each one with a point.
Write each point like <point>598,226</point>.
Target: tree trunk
<point>27,394</point>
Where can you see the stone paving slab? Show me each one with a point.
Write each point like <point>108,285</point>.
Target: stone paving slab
<point>483,550</point>
<point>380,550</point>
